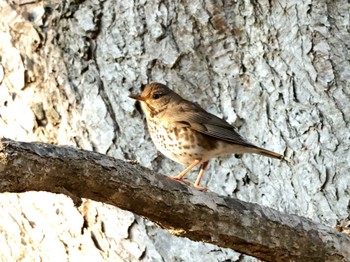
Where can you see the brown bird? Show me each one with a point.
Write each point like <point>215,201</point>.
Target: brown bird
<point>187,134</point>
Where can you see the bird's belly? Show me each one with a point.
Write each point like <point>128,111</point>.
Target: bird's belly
<point>184,145</point>
<point>178,144</point>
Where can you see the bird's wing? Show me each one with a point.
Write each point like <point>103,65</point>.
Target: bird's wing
<point>196,118</point>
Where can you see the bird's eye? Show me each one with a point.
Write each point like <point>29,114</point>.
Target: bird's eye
<point>155,96</point>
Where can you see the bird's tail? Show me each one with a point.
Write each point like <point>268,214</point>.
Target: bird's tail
<point>264,152</point>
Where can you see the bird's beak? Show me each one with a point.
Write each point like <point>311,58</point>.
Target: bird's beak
<point>137,97</point>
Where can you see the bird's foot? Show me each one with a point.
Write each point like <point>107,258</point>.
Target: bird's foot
<point>178,178</point>
<point>195,186</point>
<point>200,188</point>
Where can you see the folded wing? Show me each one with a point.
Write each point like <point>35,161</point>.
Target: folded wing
<point>208,124</point>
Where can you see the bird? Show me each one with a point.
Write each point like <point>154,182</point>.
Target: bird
<point>186,133</point>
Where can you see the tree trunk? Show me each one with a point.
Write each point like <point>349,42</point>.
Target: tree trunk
<point>277,71</point>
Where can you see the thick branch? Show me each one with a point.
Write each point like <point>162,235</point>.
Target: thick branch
<point>202,216</point>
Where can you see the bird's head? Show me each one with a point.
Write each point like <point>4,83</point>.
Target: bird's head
<point>155,98</point>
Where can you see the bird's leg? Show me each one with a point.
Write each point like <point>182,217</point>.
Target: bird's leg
<point>181,175</point>
<point>199,177</point>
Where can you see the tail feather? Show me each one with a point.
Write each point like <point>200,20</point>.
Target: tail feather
<point>264,152</point>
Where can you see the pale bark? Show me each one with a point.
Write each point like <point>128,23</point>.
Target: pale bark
<point>277,70</point>
<point>202,216</point>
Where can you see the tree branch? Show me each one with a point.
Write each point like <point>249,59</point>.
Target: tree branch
<point>202,216</point>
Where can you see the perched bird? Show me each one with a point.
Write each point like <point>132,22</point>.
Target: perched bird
<point>187,134</point>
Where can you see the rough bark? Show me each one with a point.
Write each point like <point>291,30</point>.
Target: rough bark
<point>277,70</point>
<point>202,216</point>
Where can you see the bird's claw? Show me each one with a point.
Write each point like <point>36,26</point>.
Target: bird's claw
<point>200,188</point>
<point>176,178</point>
<point>189,183</point>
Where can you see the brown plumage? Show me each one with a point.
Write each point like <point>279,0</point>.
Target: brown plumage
<point>187,134</point>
